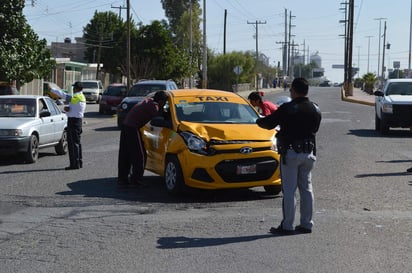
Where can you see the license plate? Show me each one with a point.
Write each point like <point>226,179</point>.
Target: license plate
<point>246,169</point>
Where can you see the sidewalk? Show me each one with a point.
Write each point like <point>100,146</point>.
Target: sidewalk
<point>359,96</point>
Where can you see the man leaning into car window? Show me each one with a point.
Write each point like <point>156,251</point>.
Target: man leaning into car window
<point>75,113</point>
<point>132,153</point>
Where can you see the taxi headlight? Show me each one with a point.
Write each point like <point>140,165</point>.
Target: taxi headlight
<point>194,143</point>
<point>274,144</point>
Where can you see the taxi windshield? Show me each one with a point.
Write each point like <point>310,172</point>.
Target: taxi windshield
<point>216,112</point>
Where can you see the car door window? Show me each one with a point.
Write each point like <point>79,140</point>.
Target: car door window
<point>50,107</point>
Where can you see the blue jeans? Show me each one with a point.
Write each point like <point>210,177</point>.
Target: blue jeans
<point>295,169</point>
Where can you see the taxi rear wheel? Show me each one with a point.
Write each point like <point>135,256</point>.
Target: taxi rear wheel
<point>173,175</point>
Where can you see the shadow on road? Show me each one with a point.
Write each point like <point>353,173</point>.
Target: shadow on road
<point>382,174</point>
<point>187,242</point>
<point>372,133</point>
<point>18,160</point>
<point>155,191</point>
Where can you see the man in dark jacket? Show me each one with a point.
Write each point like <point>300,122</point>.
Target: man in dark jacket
<point>299,121</point>
<point>132,153</point>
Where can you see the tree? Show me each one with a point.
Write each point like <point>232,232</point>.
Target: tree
<point>178,14</point>
<point>220,69</point>
<point>155,49</point>
<point>105,36</point>
<point>369,80</point>
<point>174,10</point>
<point>23,56</point>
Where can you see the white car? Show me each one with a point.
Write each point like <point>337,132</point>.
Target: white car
<point>92,90</point>
<point>28,123</point>
<point>393,105</point>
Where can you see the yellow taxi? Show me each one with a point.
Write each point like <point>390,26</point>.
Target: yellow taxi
<point>209,139</point>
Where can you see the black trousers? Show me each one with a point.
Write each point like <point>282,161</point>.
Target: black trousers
<point>74,130</point>
<point>132,155</point>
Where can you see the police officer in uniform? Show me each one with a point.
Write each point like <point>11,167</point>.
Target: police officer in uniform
<point>299,121</point>
<point>75,113</point>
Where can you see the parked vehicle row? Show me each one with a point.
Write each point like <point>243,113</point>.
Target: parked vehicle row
<point>205,139</point>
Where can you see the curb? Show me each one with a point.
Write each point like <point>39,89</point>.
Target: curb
<point>350,99</point>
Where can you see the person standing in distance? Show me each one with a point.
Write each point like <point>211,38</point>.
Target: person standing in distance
<point>266,107</point>
<point>75,113</point>
<point>132,153</point>
<point>299,121</point>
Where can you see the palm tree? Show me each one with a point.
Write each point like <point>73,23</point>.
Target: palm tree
<point>369,81</point>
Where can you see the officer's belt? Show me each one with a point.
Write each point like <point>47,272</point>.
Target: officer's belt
<point>302,146</point>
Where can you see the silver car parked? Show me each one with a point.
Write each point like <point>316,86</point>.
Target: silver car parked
<point>28,123</point>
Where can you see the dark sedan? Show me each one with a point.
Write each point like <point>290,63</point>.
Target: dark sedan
<point>111,98</point>
<point>138,92</point>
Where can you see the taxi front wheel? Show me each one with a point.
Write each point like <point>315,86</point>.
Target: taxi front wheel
<point>173,175</point>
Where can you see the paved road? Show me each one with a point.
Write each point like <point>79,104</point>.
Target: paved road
<point>58,221</point>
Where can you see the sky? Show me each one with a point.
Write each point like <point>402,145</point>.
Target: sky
<point>316,27</point>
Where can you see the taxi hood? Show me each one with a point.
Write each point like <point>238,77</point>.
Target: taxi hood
<point>227,131</point>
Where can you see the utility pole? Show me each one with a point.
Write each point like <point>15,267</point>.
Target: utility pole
<point>191,46</point>
<point>224,33</point>
<point>99,52</point>
<point>369,48</point>
<point>350,46</point>
<point>383,52</point>
<point>120,9</point>
<point>256,23</point>
<point>358,60</point>
<point>379,45</point>
<point>304,51</point>
<point>410,41</point>
<point>292,63</point>
<point>285,46</point>
<point>128,46</point>
<point>204,62</point>
<point>289,44</point>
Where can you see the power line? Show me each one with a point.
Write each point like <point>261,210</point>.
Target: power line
<point>120,9</point>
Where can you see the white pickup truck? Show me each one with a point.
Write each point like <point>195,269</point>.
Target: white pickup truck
<point>393,105</point>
